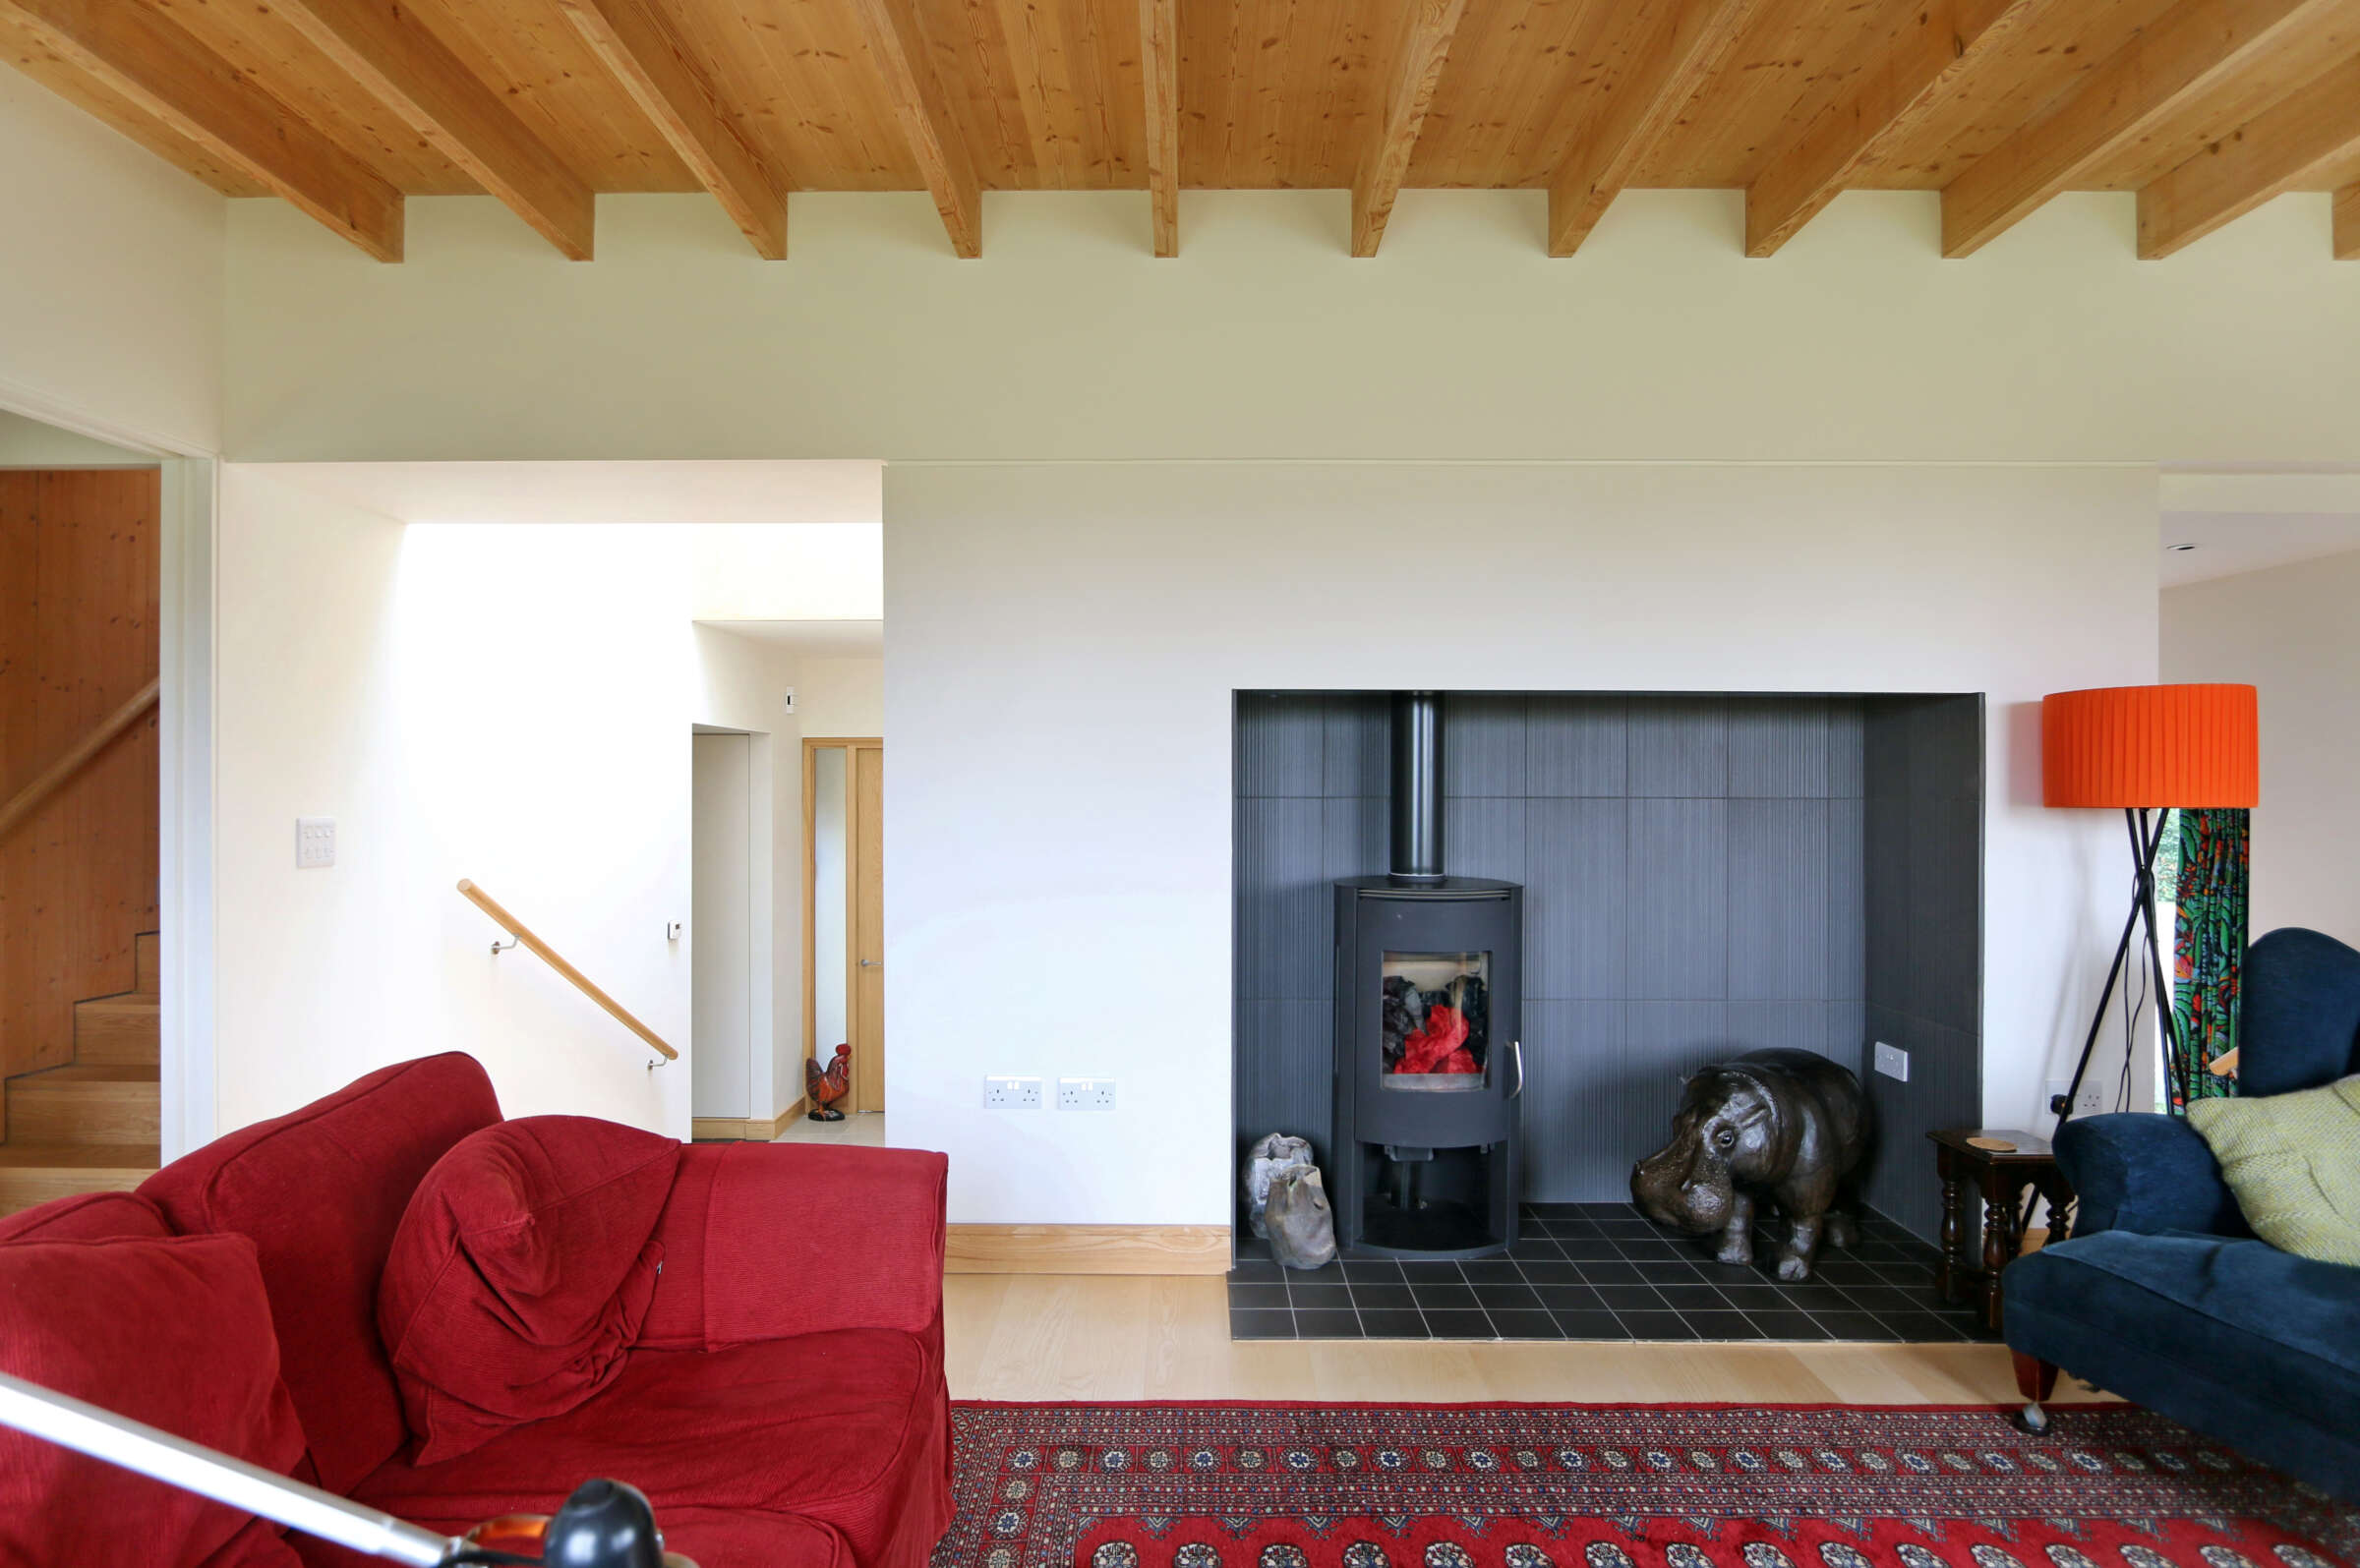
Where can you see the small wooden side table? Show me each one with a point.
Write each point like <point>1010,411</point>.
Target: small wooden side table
<point>2000,1176</point>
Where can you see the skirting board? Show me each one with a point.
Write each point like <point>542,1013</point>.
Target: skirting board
<point>1087,1249</point>
<point>745,1128</point>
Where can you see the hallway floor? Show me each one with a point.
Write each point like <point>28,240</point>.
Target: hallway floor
<point>864,1130</point>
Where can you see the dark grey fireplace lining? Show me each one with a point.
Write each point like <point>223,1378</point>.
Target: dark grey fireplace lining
<point>1698,874</point>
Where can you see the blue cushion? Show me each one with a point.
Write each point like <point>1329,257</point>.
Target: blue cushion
<point>2138,1171</point>
<point>2282,1331</point>
<point>2298,1022</point>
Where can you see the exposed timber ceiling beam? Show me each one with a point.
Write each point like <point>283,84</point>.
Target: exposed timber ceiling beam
<point>639,42</point>
<point>2301,137</point>
<point>1425,46</point>
<point>1159,69</point>
<point>1934,50</point>
<point>1681,54</point>
<point>918,103</point>
<point>2347,223</point>
<point>153,65</point>
<point>2165,67</point>
<point>386,49</point>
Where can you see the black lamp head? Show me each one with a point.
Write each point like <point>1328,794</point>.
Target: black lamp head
<point>604,1524</point>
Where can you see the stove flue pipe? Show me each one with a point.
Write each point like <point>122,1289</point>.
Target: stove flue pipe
<point>1417,817</point>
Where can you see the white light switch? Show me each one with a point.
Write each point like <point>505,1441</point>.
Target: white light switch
<point>1891,1061</point>
<point>314,843</point>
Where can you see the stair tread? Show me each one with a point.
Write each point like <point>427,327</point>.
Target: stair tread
<point>124,1002</point>
<point>79,1156</point>
<point>87,1072</point>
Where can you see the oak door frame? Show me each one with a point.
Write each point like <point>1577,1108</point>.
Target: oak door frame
<point>812,746</point>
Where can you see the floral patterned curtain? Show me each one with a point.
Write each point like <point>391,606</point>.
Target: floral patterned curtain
<point>2209,945</point>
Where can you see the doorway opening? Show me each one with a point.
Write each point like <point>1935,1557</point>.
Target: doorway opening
<point>82,996</point>
<point>726,906</point>
<point>844,929</point>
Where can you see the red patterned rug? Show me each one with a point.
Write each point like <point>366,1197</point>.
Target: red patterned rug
<point>1244,1485</point>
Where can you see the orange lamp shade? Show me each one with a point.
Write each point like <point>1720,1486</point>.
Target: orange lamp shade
<point>2123,746</point>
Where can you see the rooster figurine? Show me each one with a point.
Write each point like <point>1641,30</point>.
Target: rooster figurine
<point>829,1086</point>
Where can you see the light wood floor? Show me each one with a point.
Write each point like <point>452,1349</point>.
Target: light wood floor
<point>1068,1336</point>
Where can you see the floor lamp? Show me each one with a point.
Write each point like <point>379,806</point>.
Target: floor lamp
<point>2143,750</point>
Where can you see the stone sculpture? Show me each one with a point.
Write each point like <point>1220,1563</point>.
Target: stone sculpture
<point>1781,1126</point>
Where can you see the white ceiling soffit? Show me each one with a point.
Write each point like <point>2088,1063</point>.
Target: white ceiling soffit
<point>759,492</point>
<point>812,639</point>
<point>2243,520</point>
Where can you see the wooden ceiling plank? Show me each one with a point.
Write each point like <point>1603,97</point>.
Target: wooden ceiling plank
<point>384,47</point>
<point>161,70</point>
<point>1159,69</point>
<point>899,48</point>
<point>1425,46</point>
<point>1694,37</point>
<point>2163,69</point>
<point>2347,223</point>
<point>1932,54</point>
<point>639,42</point>
<point>2298,139</point>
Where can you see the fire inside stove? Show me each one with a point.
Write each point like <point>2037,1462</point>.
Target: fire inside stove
<point>1436,1020</point>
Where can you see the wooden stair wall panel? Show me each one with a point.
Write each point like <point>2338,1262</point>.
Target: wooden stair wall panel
<point>77,636</point>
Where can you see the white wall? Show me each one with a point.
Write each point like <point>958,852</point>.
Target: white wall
<point>2294,633</point>
<point>512,703</point>
<point>30,443</point>
<point>1264,339</point>
<point>721,931</point>
<point>1059,860</point>
<point>840,698</point>
<point>745,684</point>
<point>111,279</point>
<point>830,829</point>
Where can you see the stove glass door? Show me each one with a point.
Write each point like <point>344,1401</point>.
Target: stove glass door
<point>1436,1034</point>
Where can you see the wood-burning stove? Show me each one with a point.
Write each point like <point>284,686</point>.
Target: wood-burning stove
<point>1429,1054</point>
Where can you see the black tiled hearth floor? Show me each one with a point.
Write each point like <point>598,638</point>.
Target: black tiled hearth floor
<point>1597,1271</point>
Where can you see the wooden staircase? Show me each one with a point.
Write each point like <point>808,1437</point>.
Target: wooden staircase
<point>92,1124</point>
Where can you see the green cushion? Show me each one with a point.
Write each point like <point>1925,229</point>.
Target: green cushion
<point>2294,1160</point>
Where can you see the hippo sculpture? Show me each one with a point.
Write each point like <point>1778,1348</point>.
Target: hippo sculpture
<point>1781,1126</point>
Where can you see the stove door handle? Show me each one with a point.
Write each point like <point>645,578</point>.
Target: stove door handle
<point>1515,1051</point>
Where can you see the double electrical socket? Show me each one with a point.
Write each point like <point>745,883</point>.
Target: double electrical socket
<point>1085,1094</point>
<point>1024,1095</point>
<point>1012,1094</point>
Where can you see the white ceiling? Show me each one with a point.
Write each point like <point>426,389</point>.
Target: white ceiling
<point>813,639</point>
<point>2242,520</point>
<point>2228,543</point>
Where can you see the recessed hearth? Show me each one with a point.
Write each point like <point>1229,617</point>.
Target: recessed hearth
<point>1644,884</point>
<point>1599,1271</point>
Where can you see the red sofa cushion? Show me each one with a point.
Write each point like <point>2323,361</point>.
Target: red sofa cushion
<point>173,1332</point>
<point>321,1191</point>
<point>87,1217</point>
<point>800,1279</point>
<point>844,1428</point>
<point>521,1274</point>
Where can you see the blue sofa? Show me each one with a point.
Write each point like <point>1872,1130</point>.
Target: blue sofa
<point>2165,1296</point>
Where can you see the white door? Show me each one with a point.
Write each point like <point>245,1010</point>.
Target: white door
<point>721,930</point>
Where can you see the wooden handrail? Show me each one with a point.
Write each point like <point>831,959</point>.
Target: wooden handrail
<point>27,801</point>
<point>582,982</point>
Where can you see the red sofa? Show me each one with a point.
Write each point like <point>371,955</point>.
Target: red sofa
<point>782,1405</point>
